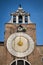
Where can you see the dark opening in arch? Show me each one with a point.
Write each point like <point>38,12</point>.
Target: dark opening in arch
<point>14,63</point>
<point>26,19</point>
<point>20,19</point>
<point>14,19</point>
<point>20,62</point>
<point>26,63</point>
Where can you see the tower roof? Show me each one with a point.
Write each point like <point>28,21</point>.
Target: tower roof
<point>20,11</point>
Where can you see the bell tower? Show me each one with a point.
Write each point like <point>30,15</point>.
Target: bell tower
<point>20,38</point>
<point>20,16</point>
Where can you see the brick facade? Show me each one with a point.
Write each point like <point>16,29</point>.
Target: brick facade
<point>34,58</point>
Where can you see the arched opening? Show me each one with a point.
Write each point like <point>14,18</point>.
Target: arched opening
<point>20,19</point>
<point>20,62</point>
<point>14,19</point>
<point>26,19</point>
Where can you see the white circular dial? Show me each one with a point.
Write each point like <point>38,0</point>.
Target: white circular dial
<point>20,44</point>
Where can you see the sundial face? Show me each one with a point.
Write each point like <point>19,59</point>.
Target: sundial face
<point>20,44</point>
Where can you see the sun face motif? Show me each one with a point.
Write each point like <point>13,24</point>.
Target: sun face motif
<point>20,44</point>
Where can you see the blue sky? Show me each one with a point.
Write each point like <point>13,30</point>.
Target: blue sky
<point>34,7</point>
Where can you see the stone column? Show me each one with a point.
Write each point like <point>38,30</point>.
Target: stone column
<point>16,19</point>
<point>29,19</point>
<point>12,19</point>
<point>23,19</point>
